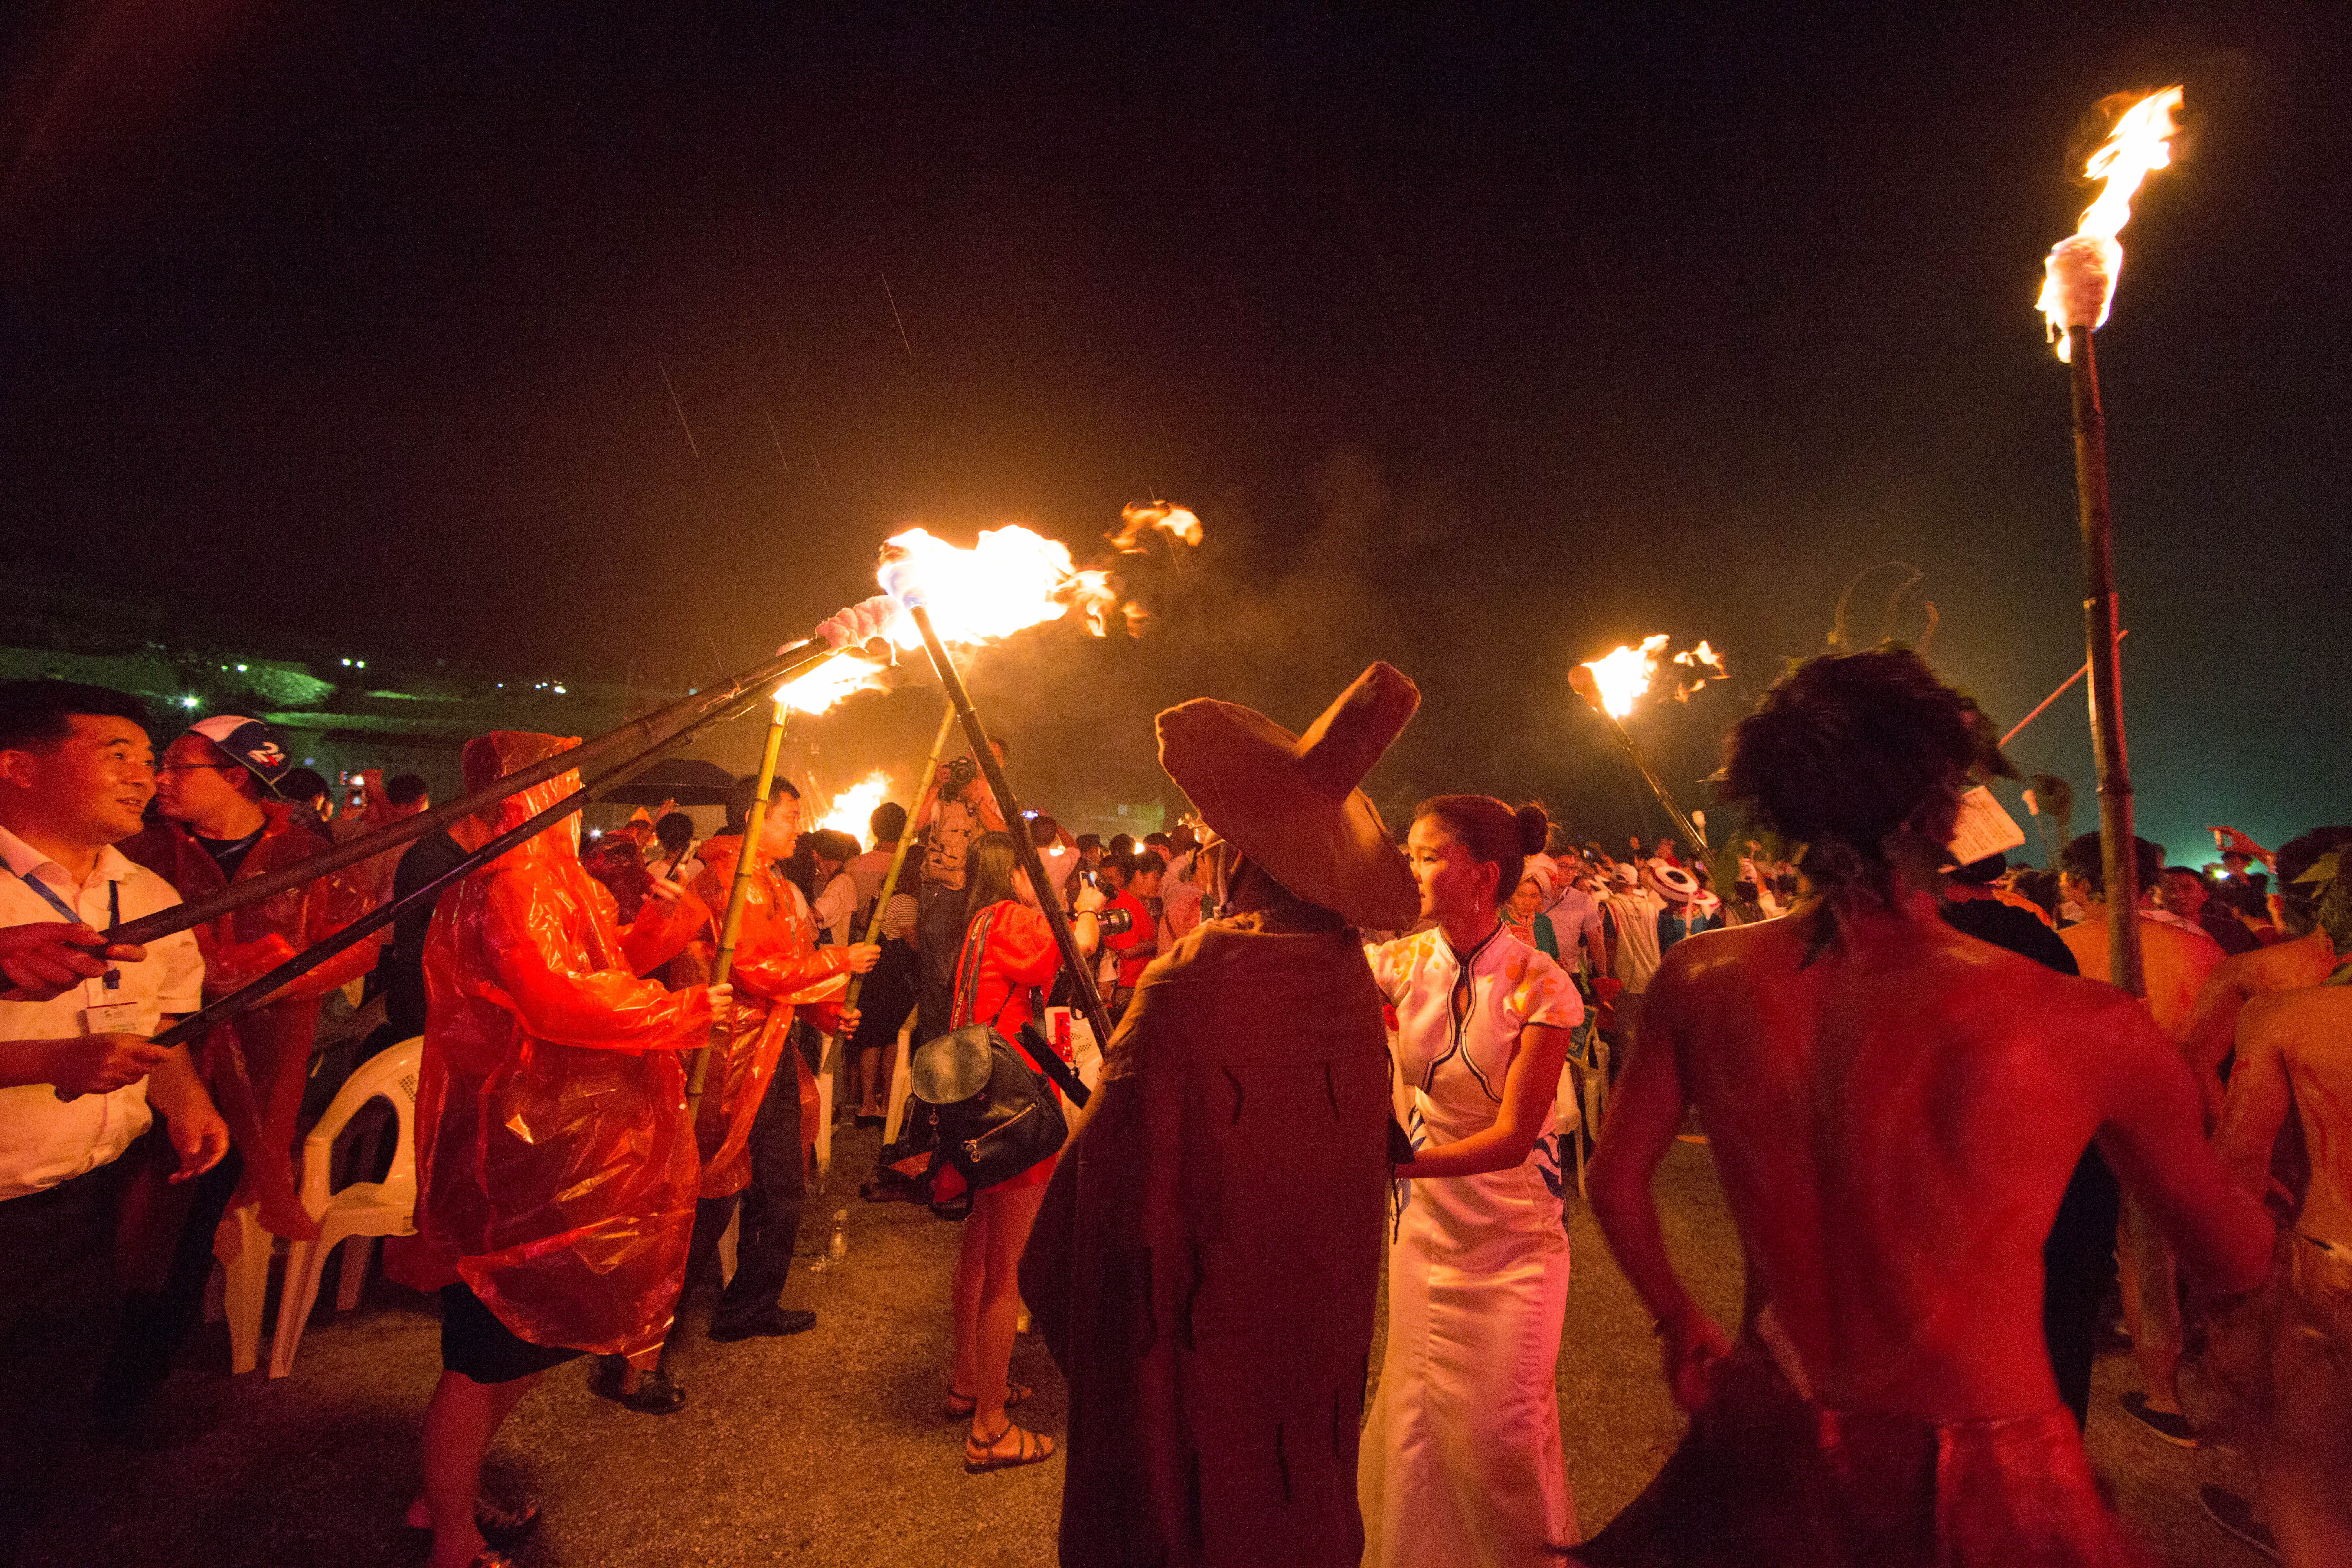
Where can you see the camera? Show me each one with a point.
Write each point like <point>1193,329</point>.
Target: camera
<point>1115,922</point>
<point>960,773</point>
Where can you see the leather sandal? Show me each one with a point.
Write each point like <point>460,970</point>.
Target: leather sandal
<point>960,1406</point>
<point>980,1458</point>
<point>501,1524</point>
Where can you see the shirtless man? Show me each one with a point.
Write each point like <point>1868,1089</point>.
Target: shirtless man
<point>2295,1059</point>
<point>2211,1027</point>
<point>1895,1108</point>
<point>2175,959</point>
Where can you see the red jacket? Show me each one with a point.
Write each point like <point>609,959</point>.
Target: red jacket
<point>556,1173</point>
<point>778,967</point>
<point>257,1065</point>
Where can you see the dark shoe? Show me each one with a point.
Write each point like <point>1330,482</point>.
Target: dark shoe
<point>2169,1425</point>
<point>655,1394</point>
<point>2236,1515</point>
<point>775,1325</point>
<point>865,1121</point>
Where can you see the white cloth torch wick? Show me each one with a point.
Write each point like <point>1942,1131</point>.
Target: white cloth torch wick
<point>2078,284</point>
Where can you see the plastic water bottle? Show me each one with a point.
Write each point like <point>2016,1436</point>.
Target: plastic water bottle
<point>838,1248</point>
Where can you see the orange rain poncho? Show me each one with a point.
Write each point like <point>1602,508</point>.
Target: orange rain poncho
<point>555,1173</point>
<point>778,966</point>
<point>256,1066</point>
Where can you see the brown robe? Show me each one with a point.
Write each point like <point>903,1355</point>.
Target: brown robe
<point>1207,1260</point>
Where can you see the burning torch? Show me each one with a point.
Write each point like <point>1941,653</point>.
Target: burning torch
<point>2078,286</point>
<point>1611,686</point>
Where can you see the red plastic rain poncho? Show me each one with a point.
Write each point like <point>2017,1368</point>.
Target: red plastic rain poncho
<point>555,1173</point>
<point>778,966</point>
<point>257,1065</point>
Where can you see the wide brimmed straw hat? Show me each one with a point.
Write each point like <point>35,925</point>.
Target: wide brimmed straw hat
<point>1672,883</point>
<point>1290,802</point>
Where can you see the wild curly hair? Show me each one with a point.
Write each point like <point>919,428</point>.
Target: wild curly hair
<point>1846,748</point>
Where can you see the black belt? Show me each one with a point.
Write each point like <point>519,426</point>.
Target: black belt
<point>26,1202</point>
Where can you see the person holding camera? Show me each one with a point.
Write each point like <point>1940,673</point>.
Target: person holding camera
<point>1009,956</point>
<point>959,783</point>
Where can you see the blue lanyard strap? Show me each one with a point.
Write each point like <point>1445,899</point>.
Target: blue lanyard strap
<point>113,913</point>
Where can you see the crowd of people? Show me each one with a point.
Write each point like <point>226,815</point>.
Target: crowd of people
<point>1339,1054</point>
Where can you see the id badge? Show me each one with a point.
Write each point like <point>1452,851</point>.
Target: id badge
<point>111,1018</point>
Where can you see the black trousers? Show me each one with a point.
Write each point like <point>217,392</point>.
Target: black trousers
<point>155,1324</point>
<point>57,1302</point>
<point>770,1207</point>
<point>2078,1266</point>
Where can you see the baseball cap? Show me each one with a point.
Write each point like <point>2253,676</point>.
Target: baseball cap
<point>249,742</point>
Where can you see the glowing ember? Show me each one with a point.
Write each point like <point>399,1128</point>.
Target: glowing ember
<point>828,683</point>
<point>853,807</point>
<point>1137,518</point>
<point>1704,664</point>
<point>1624,674</point>
<point>1011,580</point>
<point>2079,281</point>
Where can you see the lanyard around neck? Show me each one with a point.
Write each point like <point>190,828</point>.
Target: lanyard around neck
<point>113,912</point>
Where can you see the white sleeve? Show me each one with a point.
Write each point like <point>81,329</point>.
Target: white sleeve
<point>182,990</point>
<point>837,902</point>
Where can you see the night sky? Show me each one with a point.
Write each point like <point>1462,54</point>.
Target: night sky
<point>1480,343</point>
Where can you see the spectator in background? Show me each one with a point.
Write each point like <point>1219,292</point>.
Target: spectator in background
<point>1522,915</point>
<point>1122,847</point>
<point>1181,893</point>
<point>674,861</point>
<point>1744,907</point>
<point>1630,912</point>
<point>2183,893</point>
<point>835,900</point>
<point>76,771</point>
<point>386,804</point>
<point>306,791</point>
<point>1139,944</point>
<point>1090,851</point>
<point>887,824</point>
<point>2176,959</point>
<point>1680,913</point>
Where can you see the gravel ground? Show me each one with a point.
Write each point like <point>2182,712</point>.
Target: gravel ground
<point>827,1448</point>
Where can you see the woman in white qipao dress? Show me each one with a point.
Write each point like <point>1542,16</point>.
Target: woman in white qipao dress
<point>1462,1463</point>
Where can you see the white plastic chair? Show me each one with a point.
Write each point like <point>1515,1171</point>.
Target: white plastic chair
<point>360,1212</point>
<point>243,1248</point>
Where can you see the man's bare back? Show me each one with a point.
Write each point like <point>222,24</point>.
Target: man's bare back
<point>2294,1058</point>
<point>1895,1123</point>
<point>2211,1027</point>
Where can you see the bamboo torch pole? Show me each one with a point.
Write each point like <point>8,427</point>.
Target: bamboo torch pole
<point>747,853</point>
<point>1581,680</point>
<point>1023,846</point>
<point>2119,862</point>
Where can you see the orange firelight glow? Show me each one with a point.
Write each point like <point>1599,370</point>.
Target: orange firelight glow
<point>1622,676</point>
<point>1137,518</point>
<point>1012,579</point>
<point>2140,143</point>
<point>828,683</point>
<point>853,809</point>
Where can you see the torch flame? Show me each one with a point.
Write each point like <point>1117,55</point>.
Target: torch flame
<point>2140,143</point>
<point>852,808</point>
<point>1623,675</point>
<point>1013,578</point>
<point>1092,592</point>
<point>1137,518</point>
<point>1623,678</point>
<point>828,683</point>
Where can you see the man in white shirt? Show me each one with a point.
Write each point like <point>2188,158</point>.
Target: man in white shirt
<point>76,771</point>
<point>1634,945</point>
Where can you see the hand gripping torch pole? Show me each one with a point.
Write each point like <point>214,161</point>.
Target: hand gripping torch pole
<point>1023,845</point>
<point>1581,680</point>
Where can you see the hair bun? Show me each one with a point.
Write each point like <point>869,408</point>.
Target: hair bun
<point>1534,828</point>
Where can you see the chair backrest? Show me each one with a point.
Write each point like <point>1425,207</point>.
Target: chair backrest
<point>391,1075</point>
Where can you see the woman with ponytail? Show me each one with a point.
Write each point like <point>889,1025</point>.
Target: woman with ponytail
<point>1462,1460</point>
